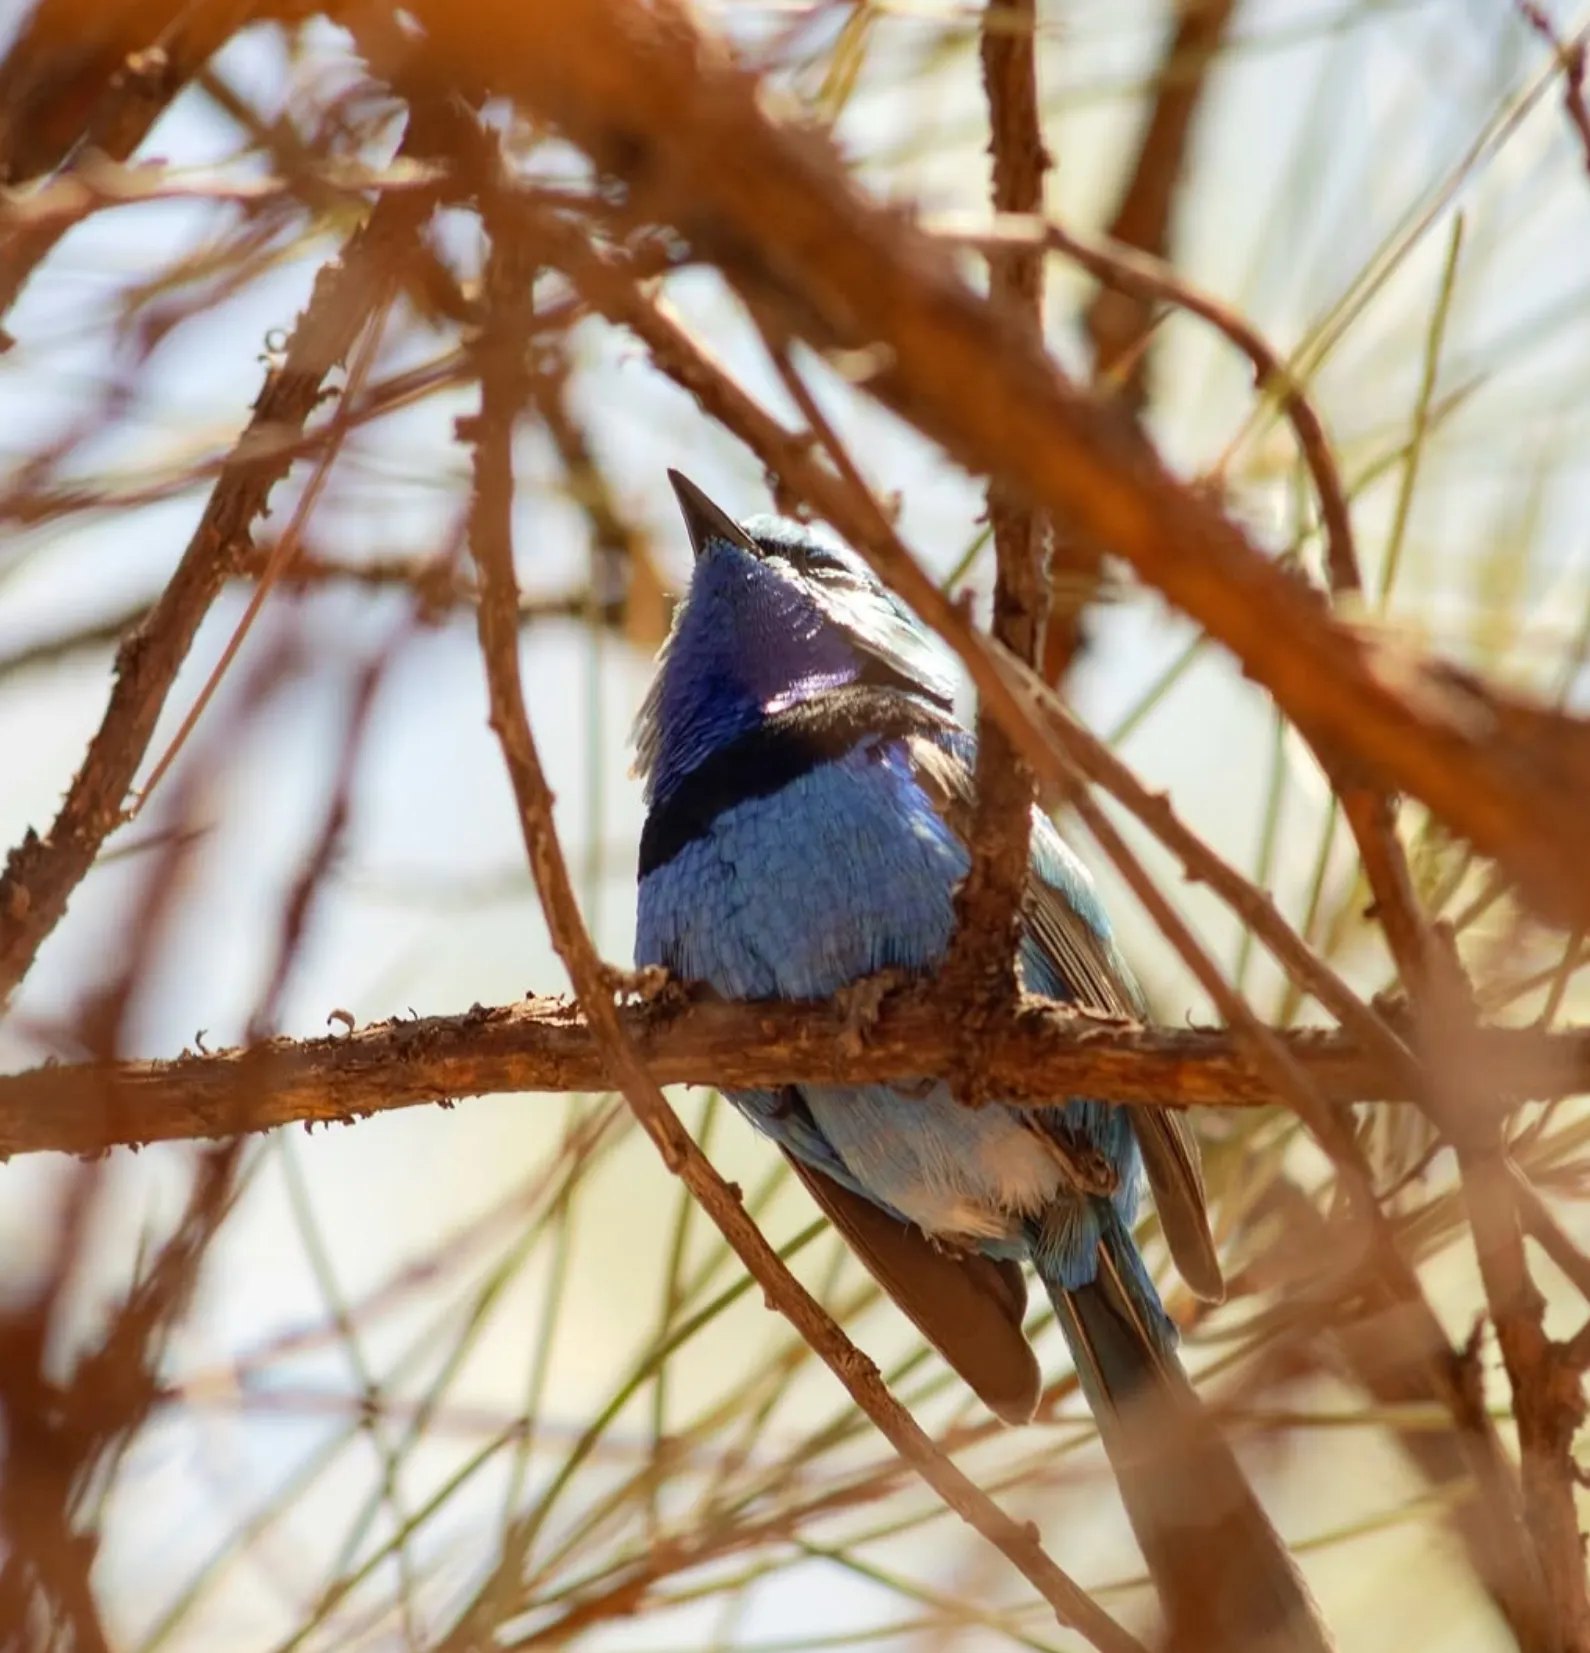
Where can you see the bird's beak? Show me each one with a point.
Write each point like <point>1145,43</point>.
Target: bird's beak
<point>706,521</point>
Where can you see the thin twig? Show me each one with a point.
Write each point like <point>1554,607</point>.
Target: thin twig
<point>1385,1260</point>
<point>503,393</point>
<point>1149,279</point>
<point>86,76</point>
<point>41,874</point>
<point>90,189</point>
<point>1118,321</point>
<point>979,973</point>
<point>1120,326</point>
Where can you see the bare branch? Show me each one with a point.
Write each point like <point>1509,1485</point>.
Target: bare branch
<point>776,208</point>
<point>503,393</point>
<point>87,76</point>
<point>1040,1051</point>
<point>1119,325</point>
<point>981,967</point>
<point>41,874</point>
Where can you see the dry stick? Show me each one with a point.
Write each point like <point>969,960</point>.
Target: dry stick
<point>979,972</point>
<point>429,579</point>
<point>503,394</point>
<point>281,552</point>
<point>1253,905</point>
<point>1117,322</point>
<point>1039,1052</point>
<point>79,194</point>
<point>30,507</point>
<point>1543,1229</point>
<point>626,590</point>
<point>651,98</point>
<point>1144,277</point>
<point>41,874</point>
<point>1356,1317</point>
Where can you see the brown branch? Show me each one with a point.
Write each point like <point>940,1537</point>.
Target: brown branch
<point>41,874</point>
<point>653,100</point>
<point>980,970</point>
<point>89,189</point>
<point>503,393</point>
<point>1040,1051</point>
<point>428,578</point>
<point>627,590</point>
<point>84,75</point>
<point>1253,906</point>
<point>65,1431</point>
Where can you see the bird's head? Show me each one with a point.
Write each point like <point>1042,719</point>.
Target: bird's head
<point>777,611</point>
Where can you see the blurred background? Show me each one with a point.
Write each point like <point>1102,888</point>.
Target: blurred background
<point>450,1374</point>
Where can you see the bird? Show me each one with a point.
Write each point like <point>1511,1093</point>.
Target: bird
<point>809,791</point>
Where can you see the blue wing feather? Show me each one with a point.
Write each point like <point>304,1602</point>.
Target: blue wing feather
<point>851,869</point>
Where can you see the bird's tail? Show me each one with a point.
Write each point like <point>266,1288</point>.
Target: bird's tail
<point>1225,1579</point>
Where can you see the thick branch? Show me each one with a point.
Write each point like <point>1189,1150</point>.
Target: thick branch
<point>1039,1052</point>
<point>86,75</point>
<point>653,100</point>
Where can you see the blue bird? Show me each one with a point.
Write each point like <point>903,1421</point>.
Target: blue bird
<point>809,792</point>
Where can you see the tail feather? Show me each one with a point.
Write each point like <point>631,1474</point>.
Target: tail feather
<point>1225,1578</point>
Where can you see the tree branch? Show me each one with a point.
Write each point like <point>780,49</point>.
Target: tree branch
<point>504,391</point>
<point>86,75</point>
<point>774,207</point>
<point>1038,1052</point>
<point>41,874</point>
<point>980,970</point>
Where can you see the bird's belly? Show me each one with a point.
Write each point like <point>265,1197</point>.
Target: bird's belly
<point>957,1173</point>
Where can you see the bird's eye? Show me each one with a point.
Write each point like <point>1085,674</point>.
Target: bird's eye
<point>818,565</point>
